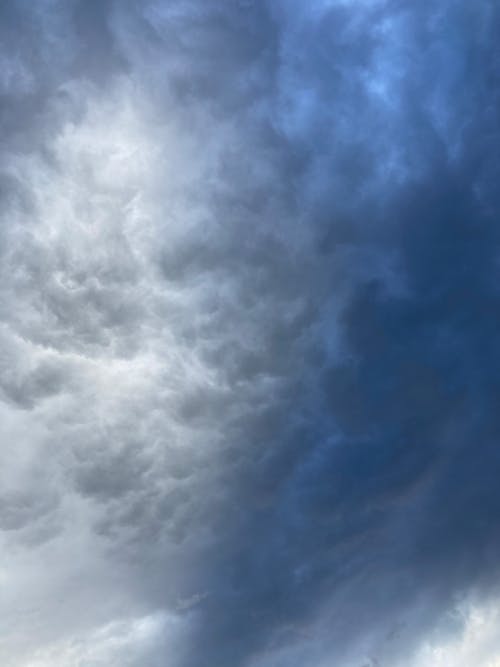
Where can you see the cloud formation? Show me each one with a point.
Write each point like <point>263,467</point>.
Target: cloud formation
<point>248,303</point>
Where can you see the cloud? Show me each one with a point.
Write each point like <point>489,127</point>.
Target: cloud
<point>248,296</point>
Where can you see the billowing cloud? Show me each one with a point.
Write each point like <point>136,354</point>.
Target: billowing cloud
<point>248,303</point>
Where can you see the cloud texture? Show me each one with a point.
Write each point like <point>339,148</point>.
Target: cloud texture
<point>249,317</point>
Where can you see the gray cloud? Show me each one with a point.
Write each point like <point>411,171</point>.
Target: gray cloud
<point>248,296</point>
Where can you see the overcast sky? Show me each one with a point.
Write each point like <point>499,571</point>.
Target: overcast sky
<point>249,333</point>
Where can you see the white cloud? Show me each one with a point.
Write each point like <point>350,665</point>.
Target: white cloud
<point>124,643</point>
<point>477,644</point>
<point>121,379</point>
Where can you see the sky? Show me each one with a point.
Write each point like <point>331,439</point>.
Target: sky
<point>249,333</point>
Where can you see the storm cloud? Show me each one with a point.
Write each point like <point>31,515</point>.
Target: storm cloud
<point>249,304</point>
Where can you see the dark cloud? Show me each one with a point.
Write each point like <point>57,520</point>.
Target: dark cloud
<point>406,422</point>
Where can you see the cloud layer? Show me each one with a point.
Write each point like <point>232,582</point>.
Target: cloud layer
<point>248,302</point>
